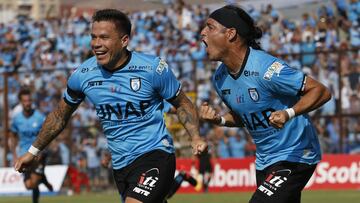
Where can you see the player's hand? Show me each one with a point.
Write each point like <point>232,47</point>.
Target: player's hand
<point>25,162</point>
<point>199,146</point>
<point>207,113</point>
<point>278,119</point>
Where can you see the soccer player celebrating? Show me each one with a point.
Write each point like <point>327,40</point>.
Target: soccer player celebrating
<point>267,97</point>
<point>25,127</point>
<point>127,90</point>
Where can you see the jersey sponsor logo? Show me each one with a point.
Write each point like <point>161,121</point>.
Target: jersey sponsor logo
<point>248,73</point>
<point>265,190</point>
<point>253,93</point>
<point>141,191</point>
<point>240,99</point>
<point>94,68</point>
<point>276,67</point>
<point>162,66</point>
<point>257,119</point>
<point>149,179</point>
<point>95,83</point>
<point>135,84</point>
<point>114,88</point>
<point>121,111</point>
<point>84,70</point>
<point>275,180</point>
<point>133,67</point>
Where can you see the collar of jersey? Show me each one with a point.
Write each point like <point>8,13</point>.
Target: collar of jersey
<point>123,65</point>
<point>237,75</point>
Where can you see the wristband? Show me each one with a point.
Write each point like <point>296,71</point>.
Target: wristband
<point>33,150</point>
<point>290,112</point>
<point>222,122</point>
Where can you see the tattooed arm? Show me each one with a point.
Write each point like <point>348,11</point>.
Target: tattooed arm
<point>188,116</point>
<point>55,122</point>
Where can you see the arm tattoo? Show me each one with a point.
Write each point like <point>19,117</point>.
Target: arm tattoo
<point>55,122</point>
<point>187,114</point>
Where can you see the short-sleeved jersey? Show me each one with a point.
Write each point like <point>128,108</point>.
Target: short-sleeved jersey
<point>266,84</point>
<point>27,128</point>
<point>128,102</point>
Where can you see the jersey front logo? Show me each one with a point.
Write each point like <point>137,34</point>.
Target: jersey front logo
<point>135,84</point>
<point>253,93</point>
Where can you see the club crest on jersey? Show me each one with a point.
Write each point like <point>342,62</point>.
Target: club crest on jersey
<point>254,95</point>
<point>276,67</point>
<point>135,84</point>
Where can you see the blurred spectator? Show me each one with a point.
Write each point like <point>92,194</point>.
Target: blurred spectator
<point>237,142</point>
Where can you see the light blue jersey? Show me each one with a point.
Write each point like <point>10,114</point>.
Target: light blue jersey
<point>128,102</point>
<point>27,128</point>
<point>266,84</point>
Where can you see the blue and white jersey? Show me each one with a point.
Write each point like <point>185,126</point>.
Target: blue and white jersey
<point>128,102</point>
<point>27,128</point>
<point>266,84</point>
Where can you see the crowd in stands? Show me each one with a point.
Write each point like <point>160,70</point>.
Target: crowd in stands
<point>325,45</point>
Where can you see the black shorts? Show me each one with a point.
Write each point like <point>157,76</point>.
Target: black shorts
<point>282,182</point>
<point>39,169</point>
<point>205,163</point>
<point>147,179</point>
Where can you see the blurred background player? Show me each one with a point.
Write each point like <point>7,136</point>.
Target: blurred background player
<point>24,130</point>
<point>142,150</point>
<point>274,104</point>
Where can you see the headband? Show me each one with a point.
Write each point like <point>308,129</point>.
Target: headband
<point>229,18</point>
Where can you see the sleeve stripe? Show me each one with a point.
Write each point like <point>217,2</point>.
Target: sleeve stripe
<point>75,94</point>
<point>302,88</point>
<point>177,94</point>
<point>70,103</point>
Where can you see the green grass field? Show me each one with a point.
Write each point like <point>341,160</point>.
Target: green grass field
<point>337,196</point>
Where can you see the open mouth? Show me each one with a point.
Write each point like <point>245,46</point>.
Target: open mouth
<point>100,53</point>
<point>205,43</point>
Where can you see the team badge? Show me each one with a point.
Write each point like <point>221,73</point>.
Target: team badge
<point>254,95</point>
<point>135,84</point>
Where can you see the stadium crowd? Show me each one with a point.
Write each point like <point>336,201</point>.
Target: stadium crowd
<point>324,44</point>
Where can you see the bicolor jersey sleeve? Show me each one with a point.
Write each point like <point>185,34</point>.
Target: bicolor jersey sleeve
<point>164,80</point>
<point>282,79</point>
<point>73,94</point>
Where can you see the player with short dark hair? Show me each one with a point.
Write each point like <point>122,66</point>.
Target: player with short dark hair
<point>25,127</point>
<point>127,89</point>
<point>267,97</point>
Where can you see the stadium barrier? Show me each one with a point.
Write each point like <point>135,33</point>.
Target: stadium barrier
<point>231,175</point>
<point>11,182</point>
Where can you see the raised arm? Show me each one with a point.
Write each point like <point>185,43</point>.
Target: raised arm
<point>188,116</point>
<point>55,122</point>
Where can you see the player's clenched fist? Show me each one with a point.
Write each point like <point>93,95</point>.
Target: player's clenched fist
<point>278,119</point>
<point>207,113</point>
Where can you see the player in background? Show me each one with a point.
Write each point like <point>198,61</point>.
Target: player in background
<point>25,127</point>
<point>267,97</point>
<point>127,89</point>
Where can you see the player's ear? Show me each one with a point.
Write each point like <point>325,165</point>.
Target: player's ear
<point>125,40</point>
<point>231,34</point>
